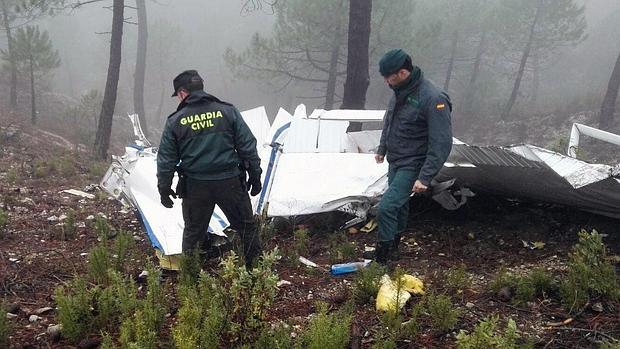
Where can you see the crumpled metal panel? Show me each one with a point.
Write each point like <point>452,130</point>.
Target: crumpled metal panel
<point>533,173</point>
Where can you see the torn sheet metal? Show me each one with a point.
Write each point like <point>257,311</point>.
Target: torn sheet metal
<point>533,173</point>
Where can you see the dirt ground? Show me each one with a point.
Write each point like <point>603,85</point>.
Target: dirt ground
<point>485,235</point>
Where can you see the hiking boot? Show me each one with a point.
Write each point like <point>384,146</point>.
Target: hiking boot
<point>383,251</point>
<point>394,251</point>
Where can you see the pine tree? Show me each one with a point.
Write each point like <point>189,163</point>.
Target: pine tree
<point>34,55</point>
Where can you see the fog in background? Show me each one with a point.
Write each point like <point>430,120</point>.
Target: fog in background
<point>194,34</point>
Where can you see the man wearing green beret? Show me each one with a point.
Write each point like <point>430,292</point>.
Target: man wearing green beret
<point>416,140</point>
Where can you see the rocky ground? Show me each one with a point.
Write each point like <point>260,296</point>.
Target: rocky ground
<point>38,253</point>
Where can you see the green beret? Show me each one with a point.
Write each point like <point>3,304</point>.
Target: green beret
<point>392,61</point>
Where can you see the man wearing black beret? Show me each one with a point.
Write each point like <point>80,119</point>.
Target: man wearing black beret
<point>212,148</point>
<point>416,139</point>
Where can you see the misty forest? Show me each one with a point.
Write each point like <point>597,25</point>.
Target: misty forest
<point>516,262</point>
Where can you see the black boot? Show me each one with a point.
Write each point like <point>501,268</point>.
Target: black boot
<point>382,251</point>
<point>395,252</point>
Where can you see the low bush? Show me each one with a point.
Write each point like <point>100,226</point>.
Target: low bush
<point>5,328</point>
<point>74,309</point>
<point>4,222</point>
<point>328,331</point>
<point>486,335</point>
<point>457,279</point>
<point>443,314</point>
<point>610,345</point>
<point>537,283</point>
<point>230,309</point>
<point>366,283</point>
<point>301,238</point>
<point>278,337</point>
<point>590,273</point>
<point>340,248</point>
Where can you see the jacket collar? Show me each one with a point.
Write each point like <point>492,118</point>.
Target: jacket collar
<point>196,97</point>
<point>408,86</point>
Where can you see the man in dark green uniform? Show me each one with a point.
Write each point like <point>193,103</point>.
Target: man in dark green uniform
<point>209,144</point>
<point>416,139</point>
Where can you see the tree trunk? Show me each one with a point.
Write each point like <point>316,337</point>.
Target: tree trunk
<point>104,127</point>
<point>455,40</point>
<point>468,103</point>
<point>12,64</point>
<point>333,76</point>
<point>358,78</point>
<point>536,82</point>
<point>608,107</point>
<point>333,64</point>
<point>138,86</point>
<point>33,101</point>
<point>524,57</point>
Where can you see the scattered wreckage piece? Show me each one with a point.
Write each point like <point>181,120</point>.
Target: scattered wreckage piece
<point>530,172</point>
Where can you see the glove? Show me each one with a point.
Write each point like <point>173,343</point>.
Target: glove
<point>164,196</point>
<point>254,185</point>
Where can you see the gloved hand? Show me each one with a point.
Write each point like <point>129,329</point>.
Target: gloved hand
<point>254,185</point>
<point>164,197</point>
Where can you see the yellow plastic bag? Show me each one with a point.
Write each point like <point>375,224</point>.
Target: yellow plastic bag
<point>389,296</point>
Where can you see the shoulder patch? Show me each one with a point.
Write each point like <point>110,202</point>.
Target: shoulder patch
<point>440,106</point>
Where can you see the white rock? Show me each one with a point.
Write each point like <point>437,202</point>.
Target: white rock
<point>34,318</point>
<point>43,310</point>
<point>469,305</point>
<point>90,217</point>
<point>283,283</point>
<point>54,331</point>
<point>11,316</point>
<point>62,217</point>
<point>52,219</point>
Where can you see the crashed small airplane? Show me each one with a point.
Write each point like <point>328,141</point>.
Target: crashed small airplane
<point>311,164</point>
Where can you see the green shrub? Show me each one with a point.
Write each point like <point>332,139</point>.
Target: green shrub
<point>136,332</point>
<point>97,169</point>
<point>153,305</point>
<point>366,283</point>
<point>125,293</point>
<point>232,306</point>
<point>340,248</point>
<point>610,345</point>
<point>12,175</point>
<point>68,228</point>
<point>190,268</point>
<point>525,288</point>
<point>328,331</point>
<point>5,328</point>
<point>42,169</point>
<point>74,309</point>
<point>250,294</point>
<point>301,238</point>
<point>4,221</point>
<point>267,230</point>
<point>276,338</point>
<point>202,316</point>
<point>65,167</point>
<point>103,229</point>
<point>105,307</point>
<point>107,342</point>
<point>443,314</point>
<point>487,336</point>
<point>457,279</point>
<point>123,245</point>
<point>590,274</point>
<point>99,264</point>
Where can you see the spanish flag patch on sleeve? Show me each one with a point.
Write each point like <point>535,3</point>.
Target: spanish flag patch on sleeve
<point>440,106</point>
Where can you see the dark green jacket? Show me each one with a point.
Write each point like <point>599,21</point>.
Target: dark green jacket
<point>417,128</point>
<point>208,140</point>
